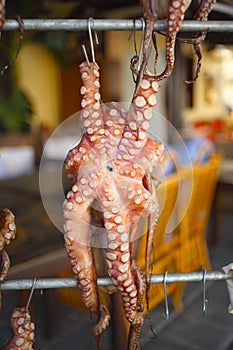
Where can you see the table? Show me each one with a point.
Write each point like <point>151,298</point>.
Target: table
<point>38,249</point>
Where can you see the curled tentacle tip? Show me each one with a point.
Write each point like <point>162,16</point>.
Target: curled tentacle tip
<point>189,81</point>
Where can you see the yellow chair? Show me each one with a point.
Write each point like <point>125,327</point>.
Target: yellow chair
<point>164,249</point>
<point>186,251</point>
<point>192,228</point>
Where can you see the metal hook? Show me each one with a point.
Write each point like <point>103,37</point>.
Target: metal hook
<point>166,314</point>
<point>138,55</point>
<point>141,42</point>
<point>204,300</point>
<point>89,23</point>
<point>30,295</point>
<point>86,56</point>
<point>29,300</point>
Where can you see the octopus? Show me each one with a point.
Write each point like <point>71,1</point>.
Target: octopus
<point>7,233</point>
<point>2,13</point>
<point>22,331</point>
<point>112,164</point>
<point>21,30</point>
<point>173,11</point>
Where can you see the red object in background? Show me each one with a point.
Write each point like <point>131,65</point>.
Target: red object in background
<point>213,129</point>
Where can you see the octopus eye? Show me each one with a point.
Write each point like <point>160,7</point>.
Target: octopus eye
<point>110,168</point>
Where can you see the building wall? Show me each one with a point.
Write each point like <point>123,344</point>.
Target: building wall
<point>39,76</point>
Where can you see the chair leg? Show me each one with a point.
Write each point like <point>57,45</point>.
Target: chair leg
<point>177,297</point>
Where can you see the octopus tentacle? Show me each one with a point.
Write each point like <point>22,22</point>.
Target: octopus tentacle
<point>201,15</point>
<point>134,334</point>
<point>139,281</point>
<point>173,10</point>
<point>5,265</point>
<point>21,30</point>
<point>101,325</point>
<point>135,132</point>
<point>77,214</point>
<point>153,218</point>
<point>150,16</point>
<point>7,233</point>
<point>138,275</point>
<point>134,331</point>
<point>22,329</point>
<point>92,116</point>
<point>7,227</point>
<point>120,271</point>
<point>2,14</point>
<point>122,268</point>
<point>175,17</point>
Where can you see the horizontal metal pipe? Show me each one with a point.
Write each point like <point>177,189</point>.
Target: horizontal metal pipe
<point>113,24</point>
<point>46,283</point>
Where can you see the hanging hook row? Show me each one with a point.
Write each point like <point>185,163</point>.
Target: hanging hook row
<point>45,283</point>
<point>220,26</point>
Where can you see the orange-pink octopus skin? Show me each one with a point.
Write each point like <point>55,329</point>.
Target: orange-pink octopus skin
<point>174,11</point>
<point>201,15</point>
<point>2,13</point>
<point>110,164</point>
<point>22,331</point>
<point>7,233</point>
<point>175,17</point>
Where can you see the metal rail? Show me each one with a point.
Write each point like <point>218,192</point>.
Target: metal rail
<point>47,283</point>
<point>113,24</point>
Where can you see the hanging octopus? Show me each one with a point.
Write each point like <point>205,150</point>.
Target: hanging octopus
<point>21,30</point>
<point>2,13</point>
<point>111,164</point>
<point>7,233</point>
<point>22,331</point>
<point>174,11</point>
